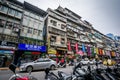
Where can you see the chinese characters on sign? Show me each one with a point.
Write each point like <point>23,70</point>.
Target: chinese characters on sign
<point>32,47</point>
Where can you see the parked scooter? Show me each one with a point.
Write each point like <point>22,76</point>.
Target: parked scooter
<point>61,65</point>
<point>12,67</point>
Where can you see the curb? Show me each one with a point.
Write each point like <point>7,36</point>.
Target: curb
<point>6,68</point>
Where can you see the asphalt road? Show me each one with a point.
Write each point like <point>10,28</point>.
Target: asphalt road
<point>5,75</point>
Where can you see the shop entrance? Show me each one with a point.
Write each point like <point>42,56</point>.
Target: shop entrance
<point>5,59</point>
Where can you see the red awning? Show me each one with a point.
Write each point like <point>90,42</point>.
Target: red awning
<point>36,53</point>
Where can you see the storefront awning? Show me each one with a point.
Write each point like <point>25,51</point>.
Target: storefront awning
<point>52,51</point>
<point>5,52</point>
<point>36,53</point>
<point>62,49</point>
<point>70,52</point>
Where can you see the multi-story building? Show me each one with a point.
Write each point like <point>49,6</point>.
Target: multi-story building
<point>56,33</point>
<point>116,42</point>
<point>81,34</point>
<point>21,30</point>
<point>31,33</point>
<point>77,31</point>
<point>10,25</point>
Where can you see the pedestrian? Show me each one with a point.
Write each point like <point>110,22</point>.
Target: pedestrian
<point>57,60</point>
<point>62,61</point>
<point>4,61</point>
<point>47,70</point>
<point>19,61</point>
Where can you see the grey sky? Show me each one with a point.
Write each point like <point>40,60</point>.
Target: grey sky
<point>104,15</point>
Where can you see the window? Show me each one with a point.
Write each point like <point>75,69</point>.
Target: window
<point>36,24</point>
<point>24,29</point>
<point>31,23</point>
<point>39,33</point>
<point>62,41</point>
<point>35,31</point>
<point>9,25</point>
<point>25,21</point>
<point>36,16</point>
<point>11,12</point>
<point>27,13</point>
<point>52,40</point>
<point>32,15</point>
<point>16,27</point>
<point>2,23</point>
<point>18,14</point>
<point>3,9</point>
<point>30,30</point>
<point>54,23</point>
<point>62,26</point>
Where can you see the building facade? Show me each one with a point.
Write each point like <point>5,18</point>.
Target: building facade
<point>21,31</point>
<point>28,30</point>
<point>56,33</point>
<point>10,24</point>
<point>81,37</point>
<point>31,33</point>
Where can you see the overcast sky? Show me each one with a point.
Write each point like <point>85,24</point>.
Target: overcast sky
<point>104,15</point>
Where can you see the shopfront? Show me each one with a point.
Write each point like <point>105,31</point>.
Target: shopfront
<point>31,52</point>
<point>7,50</point>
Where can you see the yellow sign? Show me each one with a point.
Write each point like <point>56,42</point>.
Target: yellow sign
<point>51,51</point>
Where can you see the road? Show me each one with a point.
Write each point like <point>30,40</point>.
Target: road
<point>5,75</point>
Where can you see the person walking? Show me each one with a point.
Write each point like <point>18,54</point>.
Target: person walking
<point>19,61</point>
<point>4,61</point>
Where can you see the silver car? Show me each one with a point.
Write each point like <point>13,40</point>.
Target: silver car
<point>41,63</point>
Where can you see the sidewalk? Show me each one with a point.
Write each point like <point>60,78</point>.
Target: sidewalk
<point>6,68</point>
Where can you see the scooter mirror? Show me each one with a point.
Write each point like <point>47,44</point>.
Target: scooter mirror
<point>12,67</point>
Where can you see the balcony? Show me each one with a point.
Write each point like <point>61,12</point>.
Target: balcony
<point>56,31</point>
<point>56,16</point>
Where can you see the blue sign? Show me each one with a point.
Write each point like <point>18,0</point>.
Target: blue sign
<point>32,47</point>
<point>4,51</point>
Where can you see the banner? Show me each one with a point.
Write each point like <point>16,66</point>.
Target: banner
<point>83,48</point>
<point>96,49</point>
<point>76,47</point>
<point>92,51</point>
<point>88,50</point>
<point>80,53</point>
<point>69,46</point>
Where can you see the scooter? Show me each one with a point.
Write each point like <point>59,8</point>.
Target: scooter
<point>12,67</point>
<point>60,65</point>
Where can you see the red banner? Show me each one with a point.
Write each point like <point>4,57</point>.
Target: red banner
<point>69,46</point>
<point>76,47</point>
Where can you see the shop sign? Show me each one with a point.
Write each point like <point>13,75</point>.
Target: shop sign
<point>36,53</point>
<point>51,51</point>
<point>7,45</point>
<point>32,47</point>
<point>5,51</point>
<point>27,53</point>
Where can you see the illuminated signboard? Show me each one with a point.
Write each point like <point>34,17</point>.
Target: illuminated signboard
<point>32,47</point>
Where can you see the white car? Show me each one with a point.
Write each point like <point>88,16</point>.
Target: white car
<point>38,64</point>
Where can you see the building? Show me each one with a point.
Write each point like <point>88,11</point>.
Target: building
<point>21,30</point>
<point>77,32</point>
<point>10,24</point>
<point>31,33</point>
<point>56,33</point>
<point>110,35</point>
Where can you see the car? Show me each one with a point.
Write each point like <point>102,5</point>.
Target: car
<point>41,63</point>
